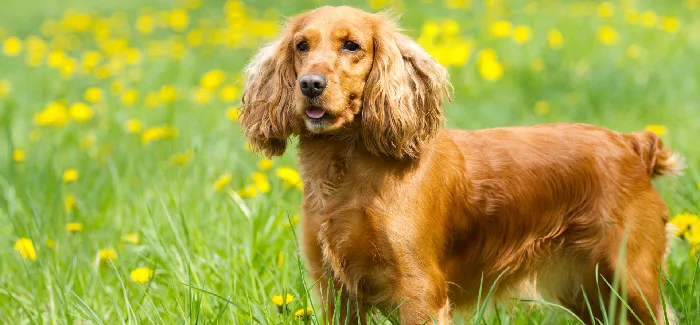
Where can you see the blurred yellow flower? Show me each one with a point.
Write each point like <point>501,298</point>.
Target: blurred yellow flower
<point>93,95</point>
<point>55,114</point>
<point>178,20</point>
<point>182,158</point>
<point>222,181</point>
<point>233,113</point>
<point>158,133</point>
<point>229,93</point>
<point>670,24</point>
<point>606,9</point>
<point>168,93</point>
<point>522,34</point>
<point>489,67</point>
<point>281,301</point>
<point>141,275</point>
<point>131,238</point>
<point>194,38</point>
<point>116,86</point>
<point>542,107</point>
<point>74,227</point>
<point>280,260</point>
<point>18,155</point>
<point>457,4</point>
<point>70,175</point>
<point>132,56</point>
<point>202,95</point>
<point>87,141</point>
<point>631,16</point>
<point>247,192</point>
<point>555,39</point>
<point>80,112</point>
<point>12,46</point>
<point>501,28</point>
<point>91,59</point>
<point>633,51</point>
<point>50,244</point>
<point>607,35</point>
<point>69,203</point>
<point>5,87</point>
<point>684,222</point>
<point>265,164</point>
<point>25,248</point>
<point>290,176</point>
<point>35,135</point>
<point>144,24</point>
<point>152,100</point>
<point>130,97</point>
<point>303,314</point>
<point>649,18</point>
<point>212,79</point>
<point>56,59</point>
<point>133,126</point>
<point>105,257</point>
<point>658,129</point>
<point>261,182</point>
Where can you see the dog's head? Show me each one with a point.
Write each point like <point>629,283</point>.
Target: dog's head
<point>340,69</point>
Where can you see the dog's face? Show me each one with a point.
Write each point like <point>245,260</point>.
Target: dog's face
<point>333,55</point>
<point>340,69</point>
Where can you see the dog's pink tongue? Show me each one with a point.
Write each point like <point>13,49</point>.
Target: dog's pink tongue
<point>315,113</point>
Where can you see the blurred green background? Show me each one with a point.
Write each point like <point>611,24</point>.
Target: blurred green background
<point>128,192</point>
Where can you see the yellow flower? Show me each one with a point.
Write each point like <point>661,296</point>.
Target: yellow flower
<point>229,93</point>
<point>233,113</point>
<point>633,51</point>
<point>131,238</point>
<point>12,46</point>
<point>80,112</point>
<point>116,86</point>
<point>649,18</point>
<point>261,182</point>
<point>70,175</point>
<point>670,25</point>
<point>489,67</point>
<point>501,28</point>
<point>144,24</point>
<point>133,126</point>
<point>684,222</point>
<point>457,4</point>
<point>25,248</point>
<point>606,9</point>
<point>280,260</point>
<point>182,158</point>
<point>631,16</point>
<point>167,93</point>
<point>247,192</point>
<point>265,164</point>
<point>522,34</point>
<point>658,129</point>
<point>54,114</point>
<point>194,38</point>
<point>105,257</point>
<point>5,87</point>
<point>303,313</point>
<point>607,35</point>
<point>91,59</point>
<point>281,301</point>
<point>141,275</point>
<point>202,95</point>
<point>93,95</point>
<point>178,19</point>
<point>18,155</point>
<point>555,39</point>
<point>74,227</point>
<point>50,244</point>
<point>157,133</point>
<point>212,79</point>
<point>69,203</point>
<point>87,141</point>
<point>289,176</point>
<point>222,181</point>
<point>542,107</point>
<point>152,100</point>
<point>130,97</point>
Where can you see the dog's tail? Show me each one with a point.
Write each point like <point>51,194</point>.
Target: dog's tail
<point>659,161</point>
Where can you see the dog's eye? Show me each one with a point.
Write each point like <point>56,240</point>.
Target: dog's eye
<point>350,46</point>
<point>303,46</point>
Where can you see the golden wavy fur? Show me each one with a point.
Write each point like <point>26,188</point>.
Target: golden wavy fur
<point>402,213</point>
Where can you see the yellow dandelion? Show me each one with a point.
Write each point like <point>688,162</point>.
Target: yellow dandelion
<point>457,4</point>
<point>658,129</point>
<point>130,97</point>
<point>131,238</point>
<point>105,257</point>
<point>489,66</point>
<point>633,51</point>
<point>144,24</point>
<point>158,133</point>
<point>303,313</point>
<point>70,175</point>
<point>25,248</point>
<point>116,86</point>
<point>501,28</point>
<point>182,158</point>
<point>133,126</point>
<point>74,227</point>
<point>670,24</point>
<point>56,59</point>
<point>167,93</point>
<point>12,46</point>
<point>684,222</point>
<point>152,100</point>
<point>606,9</point>
<point>194,38</point>
<point>55,114</point>
<point>281,301</point>
<point>91,59</point>
<point>50,244</point>
<point>18,155</point>
<point>212,79</point>
<point>93,95</point>
<point>80,112</point>
<point>69,203</point>
<point>178,20</point>
<point>607,35</point>
<point>280,260</point>
<point>261,182</point>
<point>542,107</point>
<point>649,18</point>
<point>5,88</point>
<point>202,95</point>
<point>289,176</point>
<point>631,16</point>
<point>247,192</point>
<point>265,164</point>
<point>555,39</point>
<point>141,275</point>
<point>522,34</point>
<point>229,93</point>
<point>233,113</point>
<point>222,181</point>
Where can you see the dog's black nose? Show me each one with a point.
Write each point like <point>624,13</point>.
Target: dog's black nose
<point>312,85</point>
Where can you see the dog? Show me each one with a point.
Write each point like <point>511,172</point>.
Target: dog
<point>400,213</point>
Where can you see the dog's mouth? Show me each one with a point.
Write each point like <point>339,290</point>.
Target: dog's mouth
<point>315,113</point>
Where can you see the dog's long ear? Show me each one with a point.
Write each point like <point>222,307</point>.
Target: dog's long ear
<point>403,96</point>
<point>267,115</point>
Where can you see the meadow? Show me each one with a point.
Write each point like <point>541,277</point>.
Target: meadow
<point>128,194</point>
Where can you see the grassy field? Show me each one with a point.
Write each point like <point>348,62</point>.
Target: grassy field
<point>128,195</point>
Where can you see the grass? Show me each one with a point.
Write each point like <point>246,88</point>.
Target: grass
<point>218,255</point>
